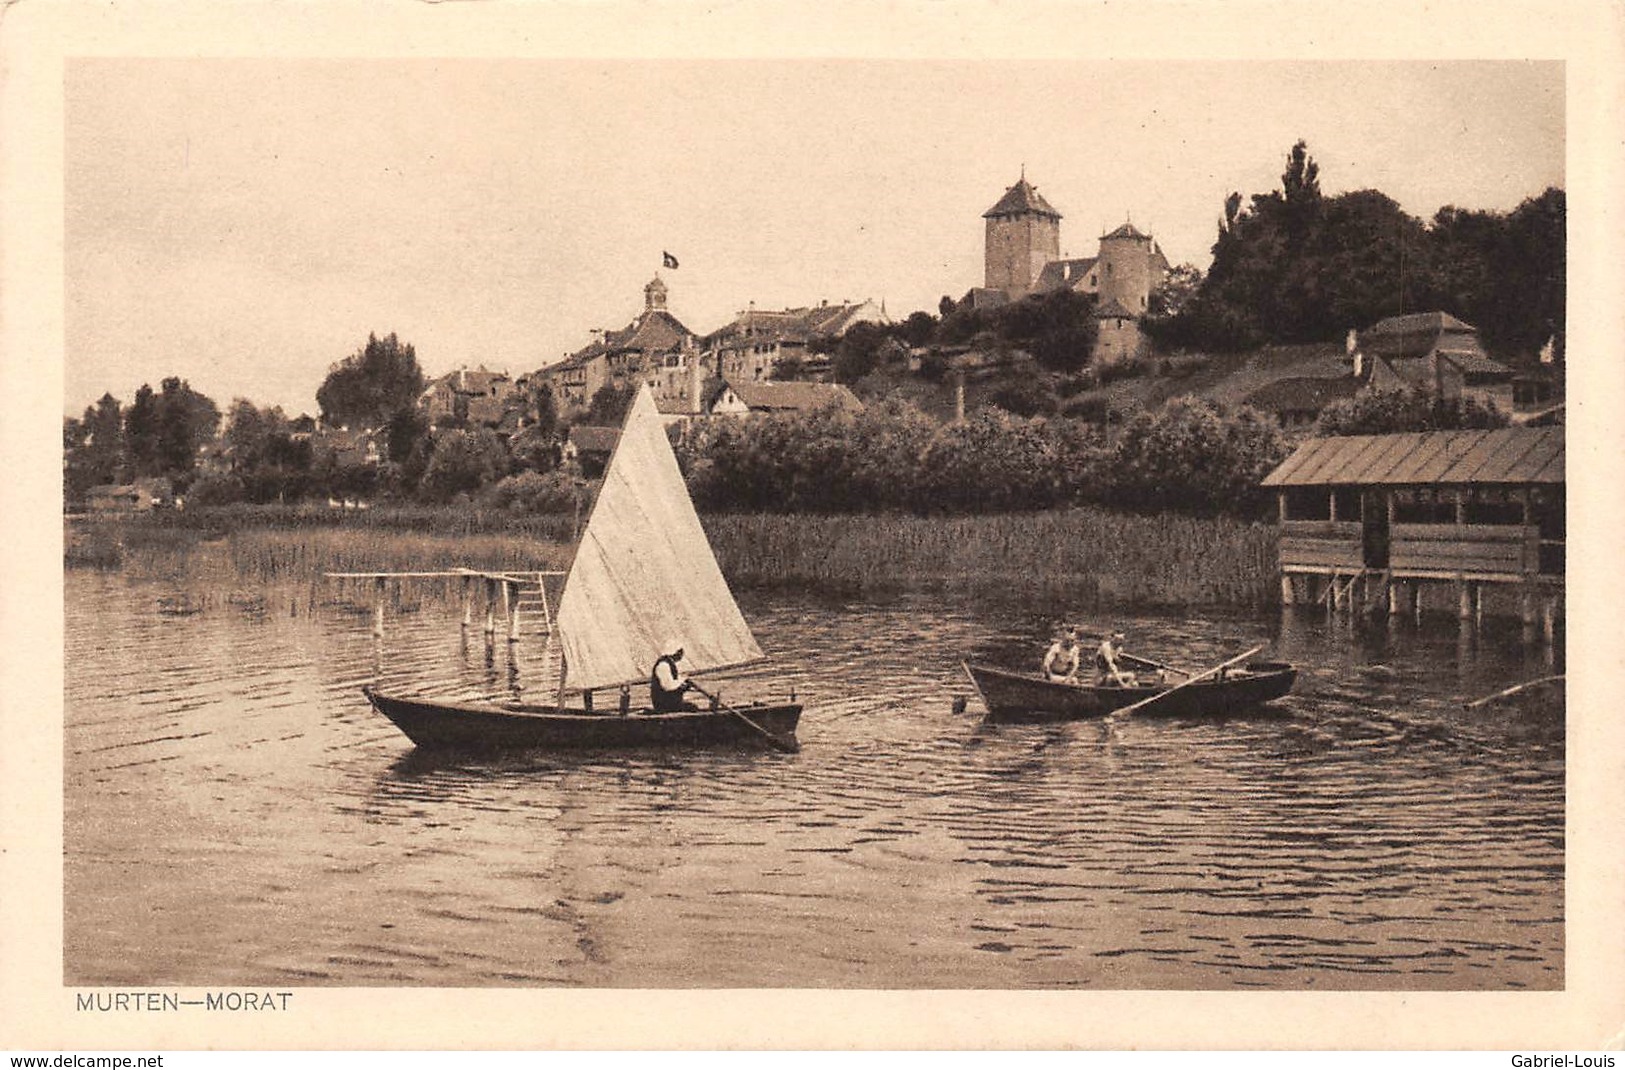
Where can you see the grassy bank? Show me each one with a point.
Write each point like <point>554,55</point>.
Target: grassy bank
<point>1085,554</point>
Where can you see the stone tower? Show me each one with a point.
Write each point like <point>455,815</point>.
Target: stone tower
<point>1023,234</point>
<point>654,295</point>
<point>1128,268</point>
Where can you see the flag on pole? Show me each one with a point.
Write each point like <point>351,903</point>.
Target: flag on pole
<point>667,260</point>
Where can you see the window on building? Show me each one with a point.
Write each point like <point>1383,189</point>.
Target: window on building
<point>1424,505</point>
<point>1308,503</point>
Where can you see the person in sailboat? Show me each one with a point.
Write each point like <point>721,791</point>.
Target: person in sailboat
<point>1063,659</point>
<point>667,684</point>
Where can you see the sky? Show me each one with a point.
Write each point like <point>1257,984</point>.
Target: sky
<point>246,223</point>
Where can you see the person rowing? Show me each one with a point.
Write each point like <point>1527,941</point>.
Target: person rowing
<point>1107,656</point>
<point>667,684</point>
<point>1063,658</point>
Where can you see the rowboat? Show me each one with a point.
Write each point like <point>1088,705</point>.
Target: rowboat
<point>1022,696</point>
<point>472,726</point>
<point>644,579</point>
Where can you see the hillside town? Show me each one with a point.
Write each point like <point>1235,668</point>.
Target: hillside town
<point>1096,341</point>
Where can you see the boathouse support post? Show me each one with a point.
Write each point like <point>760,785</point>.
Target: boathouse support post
<point>1478,605</point>
<point>510,600</point>
<point>468,604</point>
<point>1548,619</point>
<point>1395,608</point>
<point>1464,598</point>
<point>1286,589</point>
<point>378,607</point>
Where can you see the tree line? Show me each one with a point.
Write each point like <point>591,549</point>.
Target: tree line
<point>1294,265</point>
<point>1191,456</point>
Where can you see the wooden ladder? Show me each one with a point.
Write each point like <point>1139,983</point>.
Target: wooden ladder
<point>531,602</point>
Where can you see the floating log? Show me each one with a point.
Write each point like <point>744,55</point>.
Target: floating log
<point>1509,692</point>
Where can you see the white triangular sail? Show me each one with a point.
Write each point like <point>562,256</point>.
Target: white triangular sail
<point>644,574</point>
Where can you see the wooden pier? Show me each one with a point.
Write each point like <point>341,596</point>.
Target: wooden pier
<point>521,595</point>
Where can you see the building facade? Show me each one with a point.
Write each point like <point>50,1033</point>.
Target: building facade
<point>655,348</point>
<point>757,343</point>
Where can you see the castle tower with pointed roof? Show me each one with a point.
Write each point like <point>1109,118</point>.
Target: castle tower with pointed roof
<point>1129,267</point>
<point>1023,257</point>
<point>1023,234</point>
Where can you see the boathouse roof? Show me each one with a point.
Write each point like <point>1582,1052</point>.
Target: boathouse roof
<point>1506,455</point>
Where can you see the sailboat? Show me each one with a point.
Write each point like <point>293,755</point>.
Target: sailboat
<point>644,579</point>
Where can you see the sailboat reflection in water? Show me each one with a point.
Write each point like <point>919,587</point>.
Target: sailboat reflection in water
<point>643,573</point>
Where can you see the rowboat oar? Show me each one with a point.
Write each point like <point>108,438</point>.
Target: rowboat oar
<point>788,745</point>
<point>1160,695</point>
<point>1126,656</point>
<point>1487,699</point>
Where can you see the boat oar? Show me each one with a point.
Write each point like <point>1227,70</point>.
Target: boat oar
<point>1126,656</point>
<point>786,744</point>
<point>1160,695</point>
<point>1487,699</point>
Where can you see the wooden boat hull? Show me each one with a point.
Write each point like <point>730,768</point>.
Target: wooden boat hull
<point>1024,697</point>
<point>468,726</point>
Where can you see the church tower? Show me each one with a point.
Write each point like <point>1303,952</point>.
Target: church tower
<point>1023,234</point>
<point>654,295</point>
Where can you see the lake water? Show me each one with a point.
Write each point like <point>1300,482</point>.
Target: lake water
<point>237,815</point>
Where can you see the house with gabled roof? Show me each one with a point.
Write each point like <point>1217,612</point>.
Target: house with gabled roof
<point>478,396</point>
<point>1438,354</point>
<point>748,398</point>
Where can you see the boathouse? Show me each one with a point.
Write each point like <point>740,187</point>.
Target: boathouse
<point>1477,515</point>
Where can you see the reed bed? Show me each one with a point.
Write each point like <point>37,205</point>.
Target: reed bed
<point>1084,554</point>
<point>1094,555</point>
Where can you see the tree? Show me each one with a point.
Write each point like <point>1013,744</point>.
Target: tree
<point>1193,456</point>
<point>919,328</point>
<point>267,464</point>
<point>858,352</point>
<point>141,426</point>
<point>462,462</point>
<point>609,404</point>
<point>404,431</point>
<point>544,409</point>
<point>95,447</point>
<point>1384,412</point>
<point>370,386</point>
<point>186,420</point>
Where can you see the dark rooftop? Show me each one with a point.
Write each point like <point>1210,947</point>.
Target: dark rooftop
<point>1022,198</point>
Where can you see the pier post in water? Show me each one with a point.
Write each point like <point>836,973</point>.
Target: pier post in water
<point>378,607</point>
<point>468,605</point>
<point>490,615</point>
<point>510,602</point>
